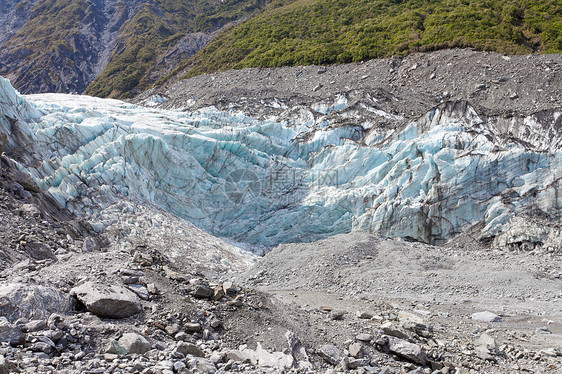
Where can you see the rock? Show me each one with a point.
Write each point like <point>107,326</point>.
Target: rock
<point>179,366</point>
<point>202,291</point>
<point>354,363</point>
<point>3,141</point>
<point>129,343</point>
<point>391,329</point>
<point>330,354</point>
<point>11,334</point>
<point>551,352</point>
<point>189,349</point>
<point>363,315</point>
<point>151,287</point>
<point>31,302</point>
<point>134,343</point>
<point>486,317</point>
<point>417,328</point>
<point>409,351</point>
<point>39,251</point>
<point>41,347</point>
<point>407,316</point>
<point>356,350</point>
<point>486,346</point>
<point>4,367</point>
<point>543,330</point>
<point>237,356</point>
<point>297,350</point>
<point>218,293</point>
<point>277,360</point>
<point>140,290</point>
<point>217,357</point>
<point>192,327</point>
<point>202,365</point>
<point>89,245</point>
<point>488,342</point>
<point>364,337</point>
<point>229,289</point>
<point>172,329</point>
<point>35,325</point>
<point>337,315</point>
<point>108,301</point>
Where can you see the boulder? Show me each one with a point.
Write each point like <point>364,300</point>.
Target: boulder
<point>108,301</point>
<point>10,333</point>
<point>409,351</point>
<point>330,354</point>
<point>189,349</point>
<point>134,343</point>
<point>129,343</point>
<point>31,302</point>
<point>35,325</point>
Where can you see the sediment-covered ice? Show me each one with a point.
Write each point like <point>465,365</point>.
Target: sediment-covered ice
<point>296,176</point>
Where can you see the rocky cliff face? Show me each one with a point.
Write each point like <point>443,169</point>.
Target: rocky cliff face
<point>62,46</point>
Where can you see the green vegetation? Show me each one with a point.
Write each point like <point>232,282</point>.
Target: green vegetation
<point>48,35</point>
<point>152,32</point>
<point>276,33</point>
<point>302,32</point>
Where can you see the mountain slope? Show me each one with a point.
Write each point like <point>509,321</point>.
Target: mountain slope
<point>302,32</point>
<point>63,45</point>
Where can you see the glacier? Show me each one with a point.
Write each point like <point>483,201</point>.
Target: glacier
<point>297,174</point>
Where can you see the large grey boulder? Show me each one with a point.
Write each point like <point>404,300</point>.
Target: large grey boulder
<point>409,351</point>
<point>108,301</point>
<point>18,300</point>
<point>11,334</point>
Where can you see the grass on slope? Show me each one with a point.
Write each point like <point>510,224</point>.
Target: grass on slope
<point>302,32</point>
<point>154,31</point>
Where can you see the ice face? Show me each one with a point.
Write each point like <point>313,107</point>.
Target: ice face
<point>291,177</point>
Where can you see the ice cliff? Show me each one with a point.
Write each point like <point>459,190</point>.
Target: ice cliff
<point>297,174</point>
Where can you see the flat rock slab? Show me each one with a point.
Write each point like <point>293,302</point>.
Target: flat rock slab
<point>32,302</point>
<point>486,317</point>
<point>409,351</point>
<point>330,354</point>
<point>108,301</point>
